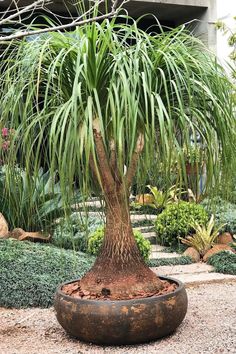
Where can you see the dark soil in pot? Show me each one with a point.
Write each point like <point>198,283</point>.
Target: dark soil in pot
<point>74,289</point>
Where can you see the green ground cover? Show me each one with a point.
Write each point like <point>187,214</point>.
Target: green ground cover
<point>30,272</point>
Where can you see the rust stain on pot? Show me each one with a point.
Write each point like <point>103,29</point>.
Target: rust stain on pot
<point>103,309</point>
<point>171,302</point>
<point>67,316</point>
<point>159,316</point>
<point>125,310</point>
<point>138,309</point>
<point>74,308</point>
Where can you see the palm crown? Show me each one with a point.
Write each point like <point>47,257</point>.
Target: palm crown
<point>162,86</point>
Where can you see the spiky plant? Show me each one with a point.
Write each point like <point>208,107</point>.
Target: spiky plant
<point>204,236</point>
<point>107,96</point>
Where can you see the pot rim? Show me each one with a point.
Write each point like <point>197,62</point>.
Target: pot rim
<point>135,300</point>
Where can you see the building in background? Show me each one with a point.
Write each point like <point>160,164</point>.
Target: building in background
<point>226,11</point>
<point>200,15</point>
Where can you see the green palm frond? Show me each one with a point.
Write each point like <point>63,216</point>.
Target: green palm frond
<point>165,85</point>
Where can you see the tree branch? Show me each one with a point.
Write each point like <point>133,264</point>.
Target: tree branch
<point>113,162</point>
<point>35,5</point>
<point>76,22</point>
<point>134,160</point>
<point>103,164</point>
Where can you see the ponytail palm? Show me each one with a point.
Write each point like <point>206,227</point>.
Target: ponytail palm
<point>107,96</point>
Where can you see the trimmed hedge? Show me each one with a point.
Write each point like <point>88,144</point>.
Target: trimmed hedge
<point>177,220</point>
<point>224,262</point>
<point>179,248</point>
<point>31,272</point>
<point>96,240</point>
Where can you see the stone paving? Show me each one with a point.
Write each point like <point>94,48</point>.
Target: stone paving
<point>158,254</point>
<point>194,274</point>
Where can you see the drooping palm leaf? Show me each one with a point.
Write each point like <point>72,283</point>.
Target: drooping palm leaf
<point>165,86</point>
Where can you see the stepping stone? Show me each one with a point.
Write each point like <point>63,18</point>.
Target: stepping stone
<point>94,204</point>
<point>96,214</point>
<point>158,254</point>
<point>158,248</point>
<point>194,274</point>
<point>141,217</point>
<point>134,218</point>
<point>205,278</point>
<point>184,269</point>
<point>150,236</point>
<point>145,229</point>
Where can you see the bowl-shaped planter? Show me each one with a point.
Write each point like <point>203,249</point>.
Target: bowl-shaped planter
<point>122,321</point>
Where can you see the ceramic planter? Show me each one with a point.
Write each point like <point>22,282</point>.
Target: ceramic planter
<point>123,321</point>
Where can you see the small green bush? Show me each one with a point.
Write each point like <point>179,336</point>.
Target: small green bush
<point>225,213</point>
<point>223,262</point>
<point>96,239</point>
<point>177,220</point>
<point>31,272</point>
<point>73,233</point>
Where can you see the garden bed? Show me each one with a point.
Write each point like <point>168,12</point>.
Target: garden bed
<point>31,272</point>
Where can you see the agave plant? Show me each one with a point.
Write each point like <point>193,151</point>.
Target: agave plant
<point>106,96</point>
<point>204,236</point>
<point>162,199</point>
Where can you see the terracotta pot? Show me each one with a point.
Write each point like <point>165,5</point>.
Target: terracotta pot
<point>144,199</point>
<point>191,169</point>
<point>122,321</point>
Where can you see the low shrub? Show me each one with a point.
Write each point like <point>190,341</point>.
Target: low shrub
<point>177,220</point>
<point>178,248</point>
<point>96,239</point>
<point>169,261</point>
<point>233,245</point>
<point>73,233</point>
<point>225,213</point>
<point>31,272</point>
<point>223,262</point>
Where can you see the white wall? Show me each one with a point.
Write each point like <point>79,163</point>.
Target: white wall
<point>226,10</point>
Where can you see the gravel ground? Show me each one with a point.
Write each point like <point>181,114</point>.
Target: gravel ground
<point>209,327</point>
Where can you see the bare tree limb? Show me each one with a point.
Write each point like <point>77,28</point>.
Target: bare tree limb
<point>114,5</point>
<point>113,154</point>
<point>36,4</point>
<point>134,160</point>
<point>113,162</point>
<point>94,169</point>
<point>74,23</point>
<point>105,173</point>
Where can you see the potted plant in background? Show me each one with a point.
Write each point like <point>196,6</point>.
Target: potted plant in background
<point>192,159</point>
<point>195,168</point>
<point>107,96</point>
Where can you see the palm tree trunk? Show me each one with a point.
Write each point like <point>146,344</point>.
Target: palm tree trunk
<point>119,269</point>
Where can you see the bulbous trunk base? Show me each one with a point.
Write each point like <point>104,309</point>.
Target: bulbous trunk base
<point>120,269</point>
<point>131,280</point>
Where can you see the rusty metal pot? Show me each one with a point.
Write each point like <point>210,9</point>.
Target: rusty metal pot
<point>123,321</point>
